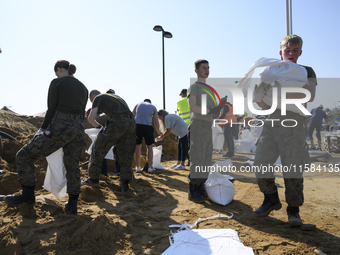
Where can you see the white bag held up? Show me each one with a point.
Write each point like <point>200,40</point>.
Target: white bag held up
<point>55,179</point>
<point>157,155</point>
<point>93,133</point>
<point>276,73</point>
<point>219,188</point>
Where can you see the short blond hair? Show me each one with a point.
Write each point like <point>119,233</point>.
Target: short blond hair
<point>291,39</point>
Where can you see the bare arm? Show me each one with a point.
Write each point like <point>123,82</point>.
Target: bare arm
<point>134,110</point>
<point>310,86</point>
<point>192,105</point>
<point>167,132</point>
<point>92,116</point>
<point>155,121</point>
<point>263,105</point>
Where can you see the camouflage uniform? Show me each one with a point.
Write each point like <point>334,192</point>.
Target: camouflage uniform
<point>120,132</point>
<point>67,131</point>
<point>201,147</point>
<point>200,135</point>
<point>290,144</point>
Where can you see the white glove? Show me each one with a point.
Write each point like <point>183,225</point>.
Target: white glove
<point>39,131</point>
<point>157,139</point>
<point>264,89</point>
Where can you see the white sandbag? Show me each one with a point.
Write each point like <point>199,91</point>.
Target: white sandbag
<point>248,135</point>
<point>246,141</point>
<point>286,73</point>
<point>276,73</point>
<point>245,82</point>
<point>282,74</point>
<point>243,146</point>
<point>55,178</point>
<point>219,188</point>
<point>248,163</point>
<point>223,163</point>
<point>217,137</point>
<point>278,161</point>
<point>93,133</point>
<point>157,156</point>
<point>207,241</point>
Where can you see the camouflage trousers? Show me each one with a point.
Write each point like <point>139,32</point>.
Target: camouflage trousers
<point>290,144</point>
<point>121,133</point>
<point>67,133</point>
<point>200,136</point>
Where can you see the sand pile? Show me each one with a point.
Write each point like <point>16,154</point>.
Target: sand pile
<point>110,222</point>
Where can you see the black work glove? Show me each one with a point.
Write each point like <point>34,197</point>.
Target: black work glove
<point>224,100</point>
<point>216,109</point>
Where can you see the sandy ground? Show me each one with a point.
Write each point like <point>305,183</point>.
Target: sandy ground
<point>110,222</point>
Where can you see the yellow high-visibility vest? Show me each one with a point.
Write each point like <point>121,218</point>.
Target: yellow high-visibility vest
<point>184,110</point>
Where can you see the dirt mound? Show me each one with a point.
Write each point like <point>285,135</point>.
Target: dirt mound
<point>14,125</point>
<point>110,222</point>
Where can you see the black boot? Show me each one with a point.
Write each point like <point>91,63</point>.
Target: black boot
<point>202,190</point>
<point>124,185</point>
<point>27,196</point>
<point>271,202</point>
<point>194,194</point>
<point>90,182</point>
<point>71,205</point>
<point>293,216</point>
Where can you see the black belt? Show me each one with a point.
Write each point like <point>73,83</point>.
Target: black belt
<point>66,116</point>
<point>119,116</point>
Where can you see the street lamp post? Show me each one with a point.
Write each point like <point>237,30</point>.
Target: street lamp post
<point>167,35</point>
<point>289,22</point>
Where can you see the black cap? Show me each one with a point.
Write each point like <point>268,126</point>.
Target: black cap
<point>184,91</point>
<point>111,91</point>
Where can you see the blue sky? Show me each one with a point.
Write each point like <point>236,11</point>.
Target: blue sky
<point>113,45</point>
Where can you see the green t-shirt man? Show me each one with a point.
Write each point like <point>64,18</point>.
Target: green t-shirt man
<point>198,89</point>
<point>111,104</point>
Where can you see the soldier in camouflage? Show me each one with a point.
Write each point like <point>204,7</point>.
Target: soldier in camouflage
<point>120,132</point>
<point>63,126</point>
<point>200,133</point>
<point>287,142</point>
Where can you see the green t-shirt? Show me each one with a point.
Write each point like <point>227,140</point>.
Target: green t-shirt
<point>198,89</point>
<point>67,95</point>
<point>111,104</point>
<point>293,115</point>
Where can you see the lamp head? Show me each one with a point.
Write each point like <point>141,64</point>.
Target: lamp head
<point>167,34</point>
<point>158,28</point>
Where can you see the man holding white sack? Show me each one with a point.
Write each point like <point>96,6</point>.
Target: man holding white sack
<point>288,142</point>
<point>120,131</point>
<point>63,126</point>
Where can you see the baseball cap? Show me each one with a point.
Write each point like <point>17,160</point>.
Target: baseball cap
<point>184,91</point>
<point>320,106</point>
<point>111,91</point>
